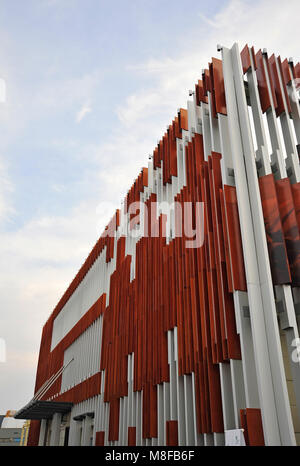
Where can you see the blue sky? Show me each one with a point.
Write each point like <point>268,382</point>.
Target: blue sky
<point>90,87</point>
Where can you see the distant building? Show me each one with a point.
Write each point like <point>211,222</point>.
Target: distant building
<point>24,434</point>
<point>10,430</point>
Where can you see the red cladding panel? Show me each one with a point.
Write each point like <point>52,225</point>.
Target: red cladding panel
<point>275,238</point>
<point>219,89</point>
<point>114,415</point>
<point>262,83</point>
<point>200,94</point>
<point>275,80</point>
<point>287,76</point>
<point>290,227</point>
<point>245,57</point>
<point>254,58</point>
<point>233,233</point>
<point>100,438</point>
<point>255,428</point>
<point>172,433</point>
<point>297,74</point>
<point>207,85</point>
<point>34,433</point>
<point>131,436</point>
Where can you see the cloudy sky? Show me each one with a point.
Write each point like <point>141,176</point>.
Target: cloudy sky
<point>90,87</point>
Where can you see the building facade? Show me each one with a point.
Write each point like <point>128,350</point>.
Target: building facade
<point>182,325</point>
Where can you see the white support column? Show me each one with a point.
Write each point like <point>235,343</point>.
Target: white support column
<point>131,404</point>
<point>206,130</point>
<point>220,142</point>
<point>74,434</point>
<point>86,428</point>
<point>43,431</point>
<point>199,440</point>
<point>160,415</point>
<point>138,418</point>
<point>125,422</point>
<point>55,429</point>
<point>97,417</point>
<point>106,423</point>
<point>238,389</point>
<point>189,411</point>
<point>180,409</point>
<point>227,396</point>
<point>219,440</point>
<point>209,440</point>
<point>166,408</point>
<point>247,350</point>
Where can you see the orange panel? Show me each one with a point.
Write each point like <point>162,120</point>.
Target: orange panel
<point>183,119</point>
<point>234,239</point>
<point>254,58</point>
<point>200,94</point>
<point>219,89</point>
<point>272,84</point>
<point>245,57</point>
<point>262,83</point>
<point>226,243</point>
<point>297,73</point>
<point>273,74</point>
<point>207,84</point>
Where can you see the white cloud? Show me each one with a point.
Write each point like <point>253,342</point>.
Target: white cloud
<point>23,109</point>
<point>2,90</point>
<point>264,24</point>
<point>38,262</point>
<point>58,188</point>
<point>85,109</point>
<point>53,240</point>
<point>208,21</point>
<point>61,94</point>
<point>6,188</point>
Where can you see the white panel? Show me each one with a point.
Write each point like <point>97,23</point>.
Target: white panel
<point>82,350</point>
